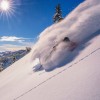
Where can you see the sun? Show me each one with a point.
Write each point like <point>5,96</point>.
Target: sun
<point>5,5</point>
<point>7,8</point>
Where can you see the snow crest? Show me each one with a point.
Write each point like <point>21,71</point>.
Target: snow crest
<point>79,25</point>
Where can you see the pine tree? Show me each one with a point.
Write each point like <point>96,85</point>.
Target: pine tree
<point>58,14</point>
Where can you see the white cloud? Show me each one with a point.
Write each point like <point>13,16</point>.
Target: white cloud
<point>12,39</point>
<point>20,42</point>
<point>9,47</point>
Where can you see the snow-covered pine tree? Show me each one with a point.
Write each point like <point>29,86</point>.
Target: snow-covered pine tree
<point>58,14</point>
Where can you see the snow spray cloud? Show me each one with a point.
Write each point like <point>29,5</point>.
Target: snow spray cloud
<point>83,22</point>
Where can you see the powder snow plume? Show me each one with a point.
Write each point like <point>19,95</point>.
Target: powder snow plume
<point>79,25</point>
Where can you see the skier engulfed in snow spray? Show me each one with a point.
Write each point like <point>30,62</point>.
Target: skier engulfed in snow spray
<point>65,45</point>
<point>71,46</point>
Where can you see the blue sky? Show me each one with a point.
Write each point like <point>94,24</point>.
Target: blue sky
<point>30,18</point>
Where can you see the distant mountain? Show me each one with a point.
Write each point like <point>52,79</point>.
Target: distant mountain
<point>8,57</point>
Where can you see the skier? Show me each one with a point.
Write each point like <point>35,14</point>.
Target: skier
<point>66,39</point>
<point>71,45</point>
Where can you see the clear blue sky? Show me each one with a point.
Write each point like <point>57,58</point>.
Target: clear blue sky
<point>32,17</point>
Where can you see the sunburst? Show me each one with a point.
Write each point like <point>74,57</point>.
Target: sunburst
<point>7,7</point>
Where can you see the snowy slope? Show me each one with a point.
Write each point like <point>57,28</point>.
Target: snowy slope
<point>78,79</point>
<point>81,81</point>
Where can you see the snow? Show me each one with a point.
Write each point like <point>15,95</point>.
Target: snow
<point>78,79</point>
<point>81,24</point>
<point>80,82</point>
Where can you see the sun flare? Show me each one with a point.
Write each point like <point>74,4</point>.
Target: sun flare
<point>4,5</point>
<point>7,8</point>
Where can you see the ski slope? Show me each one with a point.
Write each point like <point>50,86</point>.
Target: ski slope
<point>78,79</point>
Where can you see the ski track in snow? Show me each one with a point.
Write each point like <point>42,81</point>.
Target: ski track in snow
<point>80,60</point>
